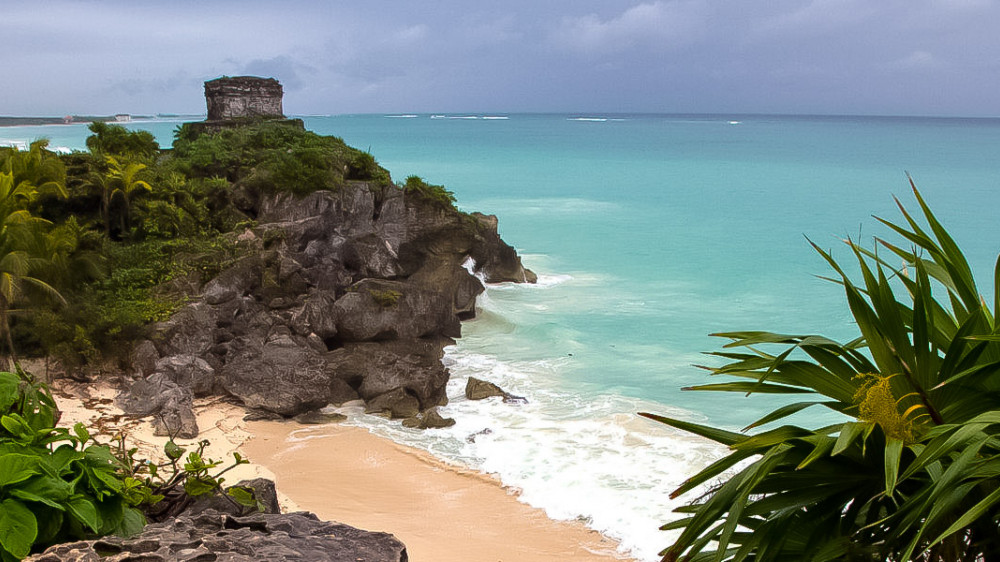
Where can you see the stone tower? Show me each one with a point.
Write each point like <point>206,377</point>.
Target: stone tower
<point>238,97</point>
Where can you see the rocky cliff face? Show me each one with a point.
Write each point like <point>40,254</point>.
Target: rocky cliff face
<point>338,296</point>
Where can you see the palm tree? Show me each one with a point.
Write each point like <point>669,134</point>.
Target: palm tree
<point>19,235</point>
<point>120,180</point>
<point>913,473</point>
<point>37,166</point>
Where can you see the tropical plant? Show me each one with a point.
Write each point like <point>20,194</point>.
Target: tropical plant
<point>121,180</point>
<point>55,484</point>
<point>19,235</point>
<point>436,194</point>
<point>36,166</point>
<point>913,473</point>
<point>111,140</point>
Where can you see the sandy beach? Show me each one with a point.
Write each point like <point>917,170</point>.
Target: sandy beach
<point>440,512</point>
<point>346,474</point>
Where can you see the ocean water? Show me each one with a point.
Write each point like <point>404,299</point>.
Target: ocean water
<point>649,233</point>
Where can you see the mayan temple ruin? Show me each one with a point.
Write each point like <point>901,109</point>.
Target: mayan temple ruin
<point>241,97</point>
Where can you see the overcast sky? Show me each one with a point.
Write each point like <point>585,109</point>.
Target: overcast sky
<point>888,57</point>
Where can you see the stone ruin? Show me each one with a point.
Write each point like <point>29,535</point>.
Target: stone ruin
<point>241,97</point>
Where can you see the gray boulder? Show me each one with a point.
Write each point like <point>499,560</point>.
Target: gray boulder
<point>158,396</point>
<point>278,375</point>
<point>215,536</point>
<point>375,368</point>
<point>188,332</point>
<point>236,281</point>
<point>378,309</point>
<point>263,491</point>
<point>144,358</point>
<point>317,315</point>
<point>430,419</point>
<point>190,372</point>
<point>397,403</point>
<point>476,389</point>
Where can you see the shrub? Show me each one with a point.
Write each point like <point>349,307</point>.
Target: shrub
<point>55,485</point>
<point>117,140</point>
<point>913,472</point>
<point>435,194</point>
<point>273,156</point>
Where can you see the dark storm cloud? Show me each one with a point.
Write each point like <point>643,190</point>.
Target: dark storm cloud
<point>820,56</point>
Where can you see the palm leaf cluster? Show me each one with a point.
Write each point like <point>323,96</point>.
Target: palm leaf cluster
<point>913,473</point>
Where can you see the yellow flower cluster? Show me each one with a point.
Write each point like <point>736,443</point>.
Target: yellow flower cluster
<point>876,403</point>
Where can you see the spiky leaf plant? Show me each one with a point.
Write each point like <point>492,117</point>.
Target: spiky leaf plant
<point>914,471</point>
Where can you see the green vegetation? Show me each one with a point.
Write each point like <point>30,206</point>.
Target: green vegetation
<point>273,157</point>
<point>56,485</point>
<point>436,194</point>
<point>59,485</point>
<point>94,247</point>
<point>914,471</point>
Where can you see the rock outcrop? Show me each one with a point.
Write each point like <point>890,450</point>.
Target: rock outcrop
<point>336,296</point>
<point>211,535</point>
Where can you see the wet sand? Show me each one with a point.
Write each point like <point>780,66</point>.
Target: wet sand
<point>440,512</point>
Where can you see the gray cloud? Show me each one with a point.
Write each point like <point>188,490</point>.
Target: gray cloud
<point>817,56</point>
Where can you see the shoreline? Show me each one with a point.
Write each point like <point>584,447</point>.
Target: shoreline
<point>346,474</point>
<point>439,511</point>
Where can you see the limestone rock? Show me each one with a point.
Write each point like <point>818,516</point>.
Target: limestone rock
<point>338,295</point>
<point>341,392</point>
<point>317,417</point>
<point>376,309</point>
<point>263,490</point>
<point>238,280</point>
<point>144,358</point>
<point>188,332</point>
<point>397,403</point>
<point>190,372</point>
<point>214,536</point>
<point>176,416</point>
<point>375,368</point>
<point>476,389</point>
<point>279,375</point>
<point>159,396</point>
<point>430,419</point>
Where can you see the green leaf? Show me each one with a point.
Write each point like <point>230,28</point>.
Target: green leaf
<point>81,432</point>
<point>243,496</point>
<point>132,523</point>
<point>173,451</point>
<point>199,487</point>
<point>782,412</point>
<point>849,432</point>
<point>44,489</point>
<point>84,511</point>
<point>16,468</point>
<point>18,527</point>
<point>717,435</point>
<point>893,453</point>
<point>751,388</point>
<point>9,391</point>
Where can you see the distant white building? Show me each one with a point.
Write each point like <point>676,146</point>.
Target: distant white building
<point>123,118</point>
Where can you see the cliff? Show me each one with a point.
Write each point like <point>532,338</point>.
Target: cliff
<point>337,295</point>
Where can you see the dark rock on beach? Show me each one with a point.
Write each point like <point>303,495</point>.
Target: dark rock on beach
<point>211,535</point>
<point>476,389</point>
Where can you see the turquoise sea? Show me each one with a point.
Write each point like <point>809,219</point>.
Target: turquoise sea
<point>649,232</point>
